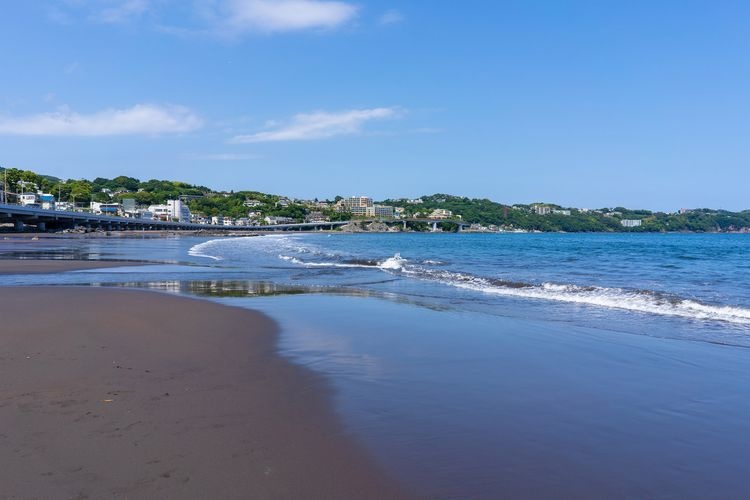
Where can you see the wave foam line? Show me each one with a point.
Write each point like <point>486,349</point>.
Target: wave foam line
<point>614,298</point>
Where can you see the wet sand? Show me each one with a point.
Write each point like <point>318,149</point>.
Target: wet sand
<point>45,266</point>
<point>128,393</point>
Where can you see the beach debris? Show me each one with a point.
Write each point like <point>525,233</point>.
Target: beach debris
<point>108,400</point>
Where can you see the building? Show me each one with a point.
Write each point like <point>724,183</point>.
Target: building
<point>106,208</point>
<point>65,206</point>
<point>440,214</point>
<point>160,212</point>
<point>217,220</point>
<point>383,211</point>
<point>28,199</point>
<point>128,205</point>
<point>541,209</point>
<point>561,212</point>
<point>178,210</point>
<point>252,203</point>
<point>46,200</point>
<point>274,220</point>
<point>316,217</point>
<point>416,201</point>
<point>631,222</point>
<point>357,205</point>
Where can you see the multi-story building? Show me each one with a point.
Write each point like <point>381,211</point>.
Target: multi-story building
<point>561,212</point>
<point>316,217</point>
<point>128,206</point>
<point>217,220</point>
<point>631,222</point>
<point>541,209</point>
<point>160,212</point>
<point>273,220</point>
<point>383,211</point>
<point>357,205</point>
<point>440,213</point>
<point>178,210</point>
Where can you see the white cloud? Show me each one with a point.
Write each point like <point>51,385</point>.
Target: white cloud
<point>141,119</point>
<point>222,157</point>
<point>286,15</point>
<point>391,17</point>
<point>122,11</point>
<point>101,11</point>
<point>320,125</point>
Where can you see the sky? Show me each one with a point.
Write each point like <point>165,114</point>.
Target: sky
<point>643,104</point>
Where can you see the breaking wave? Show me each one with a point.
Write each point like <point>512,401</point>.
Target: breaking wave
<point>299,253</point>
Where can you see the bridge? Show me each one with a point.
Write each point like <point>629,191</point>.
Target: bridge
<point>21,216</point>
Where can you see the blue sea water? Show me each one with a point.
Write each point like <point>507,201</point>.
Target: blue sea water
<point>496,365</point>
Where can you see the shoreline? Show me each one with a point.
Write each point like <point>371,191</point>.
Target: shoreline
<point>137,393</point>
<point>46,266</point>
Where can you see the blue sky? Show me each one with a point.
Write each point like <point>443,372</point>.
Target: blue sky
<point>582,103</point>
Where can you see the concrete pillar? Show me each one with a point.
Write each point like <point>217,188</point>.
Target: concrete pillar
<point>404,225</point>
<point>18,225</point>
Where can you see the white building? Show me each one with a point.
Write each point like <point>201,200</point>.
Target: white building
<point>106,208</point>
<point>161,212</point>
<point>631,222</point>
<point>178,210</point>
<point>561,212</point>
<point>217,220</point>
<point>440,213</point>
<point>541,209</point>
<point>273,220</point>
<point>27,199</point>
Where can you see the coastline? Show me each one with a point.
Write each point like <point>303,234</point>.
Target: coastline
<point>45,266</point>
<point>136,393</point>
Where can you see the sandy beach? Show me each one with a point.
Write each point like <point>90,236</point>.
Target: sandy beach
<point>134,394</point>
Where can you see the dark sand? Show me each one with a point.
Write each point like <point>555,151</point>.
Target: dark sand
<point>135,394</point>
<point>34,266</point>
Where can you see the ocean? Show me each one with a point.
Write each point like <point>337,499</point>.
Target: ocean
<point>495,365</point>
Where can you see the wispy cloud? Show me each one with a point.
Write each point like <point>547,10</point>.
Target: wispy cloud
<point>286,15</point>
<point>224,18</point>
<point>121,11</point>
<point>222,157</point>
<point>319,125</point>
<point>101,11</point>
<point>141,119</point>
<point>391,17</point>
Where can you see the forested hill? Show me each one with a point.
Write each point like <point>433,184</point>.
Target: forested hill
<point>487,212</point>
<point>533,217</point>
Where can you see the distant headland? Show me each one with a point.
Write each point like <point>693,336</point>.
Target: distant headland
<point>183,202</point>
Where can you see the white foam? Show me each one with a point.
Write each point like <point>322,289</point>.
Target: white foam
<point>200,250</point>
<point>393,263</point>
<point>613,298</point>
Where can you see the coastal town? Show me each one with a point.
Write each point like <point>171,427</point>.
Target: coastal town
<point>178,202</point>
